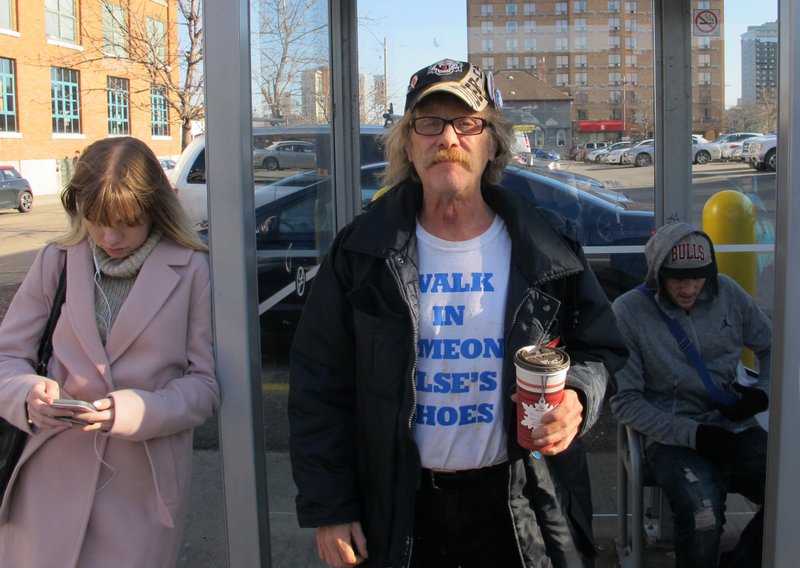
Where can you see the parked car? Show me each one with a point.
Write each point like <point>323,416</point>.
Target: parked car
<point>167,164</point>
<point>729,142</point>
<point>704,152</point>
<point>189,175</point>
<point>644,155</point>
<point>617,156</point>
<point>294,230</point>
<point>574,151</point>
<point>639,155</point>
<point>287,154</point>
<point>588,147</point>
<point>539,157</point>
<point>15,190</point>
<point>762,153</point>
<point>584,182</point>
<point>597,155</point>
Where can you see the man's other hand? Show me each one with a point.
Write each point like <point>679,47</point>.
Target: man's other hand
<point>715,443</point>
<point>342,545</point>
<point>752,402</point>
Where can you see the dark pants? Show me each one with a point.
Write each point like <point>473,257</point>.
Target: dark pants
<point>464,521</point>
<point>696,489</point>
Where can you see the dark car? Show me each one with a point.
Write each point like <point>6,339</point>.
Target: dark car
<point>581,181</point>
<point>542,154</point>
<point>294,230</point>
<point>15,191</point>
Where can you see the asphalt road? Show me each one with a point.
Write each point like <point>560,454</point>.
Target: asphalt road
<point>23,234</point>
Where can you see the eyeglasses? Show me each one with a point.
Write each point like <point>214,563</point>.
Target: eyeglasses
<point>433,125</point>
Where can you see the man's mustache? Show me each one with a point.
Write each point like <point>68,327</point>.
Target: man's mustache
<point>450,155</point>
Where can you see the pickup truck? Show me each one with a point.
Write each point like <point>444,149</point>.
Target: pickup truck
<point>761,153</point>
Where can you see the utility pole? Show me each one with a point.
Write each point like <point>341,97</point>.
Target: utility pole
<point>385,76</point>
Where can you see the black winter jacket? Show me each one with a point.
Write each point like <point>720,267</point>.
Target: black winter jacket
<point>353,361</point>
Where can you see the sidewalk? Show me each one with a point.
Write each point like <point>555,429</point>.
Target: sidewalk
<point>293,547</point>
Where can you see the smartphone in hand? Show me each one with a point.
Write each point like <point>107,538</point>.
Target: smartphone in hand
<point>75,406</point>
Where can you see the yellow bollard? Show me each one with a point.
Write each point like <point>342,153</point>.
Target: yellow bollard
<point>729,218</point>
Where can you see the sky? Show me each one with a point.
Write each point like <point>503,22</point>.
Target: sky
<point>419,32</point>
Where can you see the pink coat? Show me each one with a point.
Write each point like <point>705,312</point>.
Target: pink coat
<point>86,499</point>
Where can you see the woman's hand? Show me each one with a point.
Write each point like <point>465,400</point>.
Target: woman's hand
<point>103,419</point>
<point>37,404</point>
<point>42,415</point>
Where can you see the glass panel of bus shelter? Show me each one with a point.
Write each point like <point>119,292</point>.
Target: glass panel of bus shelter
<point>294,206</point>
<point>734,107</point>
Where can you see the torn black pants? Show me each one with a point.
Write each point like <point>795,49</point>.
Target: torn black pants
<point>696,489</point>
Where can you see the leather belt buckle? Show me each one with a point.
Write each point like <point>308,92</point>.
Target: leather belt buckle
<point>433,474</point>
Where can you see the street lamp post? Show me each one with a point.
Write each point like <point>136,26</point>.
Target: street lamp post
<point>385,45</point>
<point>624,100</point>
<point>385,76</point>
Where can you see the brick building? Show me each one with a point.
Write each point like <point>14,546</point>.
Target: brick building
<point>76,71</point>
<point>600,54</point>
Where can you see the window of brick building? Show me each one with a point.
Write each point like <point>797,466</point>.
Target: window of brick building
<point>65,94</point>
<point>159,111</point>
<point>119,121</point>
<point>60,20</point>
<point>8,95</point>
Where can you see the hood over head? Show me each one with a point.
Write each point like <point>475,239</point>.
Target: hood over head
<point>678,250</point>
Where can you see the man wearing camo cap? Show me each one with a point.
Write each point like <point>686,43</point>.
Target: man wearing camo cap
<point>403,426</point>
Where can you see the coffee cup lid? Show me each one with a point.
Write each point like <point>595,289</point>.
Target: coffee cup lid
<point>542,358</point>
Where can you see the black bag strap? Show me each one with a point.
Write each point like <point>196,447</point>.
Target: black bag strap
<point>46,343</point>
<point>687,347</point>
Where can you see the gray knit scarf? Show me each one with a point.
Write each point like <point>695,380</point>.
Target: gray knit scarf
<point>115,279</point>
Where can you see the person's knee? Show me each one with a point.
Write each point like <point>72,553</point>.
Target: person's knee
<point>705,517</point>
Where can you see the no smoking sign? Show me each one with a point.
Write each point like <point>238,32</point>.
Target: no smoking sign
<point>705,23</point>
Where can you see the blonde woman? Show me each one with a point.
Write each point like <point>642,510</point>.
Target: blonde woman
<point>134,341</point>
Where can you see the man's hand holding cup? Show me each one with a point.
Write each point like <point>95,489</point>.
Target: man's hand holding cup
<point>548,416</point>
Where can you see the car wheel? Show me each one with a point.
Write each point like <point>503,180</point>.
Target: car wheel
<point>771,160</point>
<point>606,227</point>
<point>270,163</point>
<point>25,202</point>
<point>702,157</point>
<point>643,159</point>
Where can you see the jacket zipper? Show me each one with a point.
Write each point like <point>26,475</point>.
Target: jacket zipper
<point>415,337</point>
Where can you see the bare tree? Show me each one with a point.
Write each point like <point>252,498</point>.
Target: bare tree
<point>758,116</point>
<point>644,116</point>
<point>124,31</point>
<point>289,38</point>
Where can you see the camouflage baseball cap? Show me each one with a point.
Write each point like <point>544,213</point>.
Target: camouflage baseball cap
<point>460,78</point>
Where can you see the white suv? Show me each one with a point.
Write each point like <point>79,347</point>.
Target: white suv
<point>761,153</point>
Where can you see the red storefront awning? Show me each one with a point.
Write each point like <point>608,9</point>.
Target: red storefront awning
<point>600,126</point>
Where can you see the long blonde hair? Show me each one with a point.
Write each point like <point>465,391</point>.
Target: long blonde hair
<point>400,168</point>
<point>122,177</point>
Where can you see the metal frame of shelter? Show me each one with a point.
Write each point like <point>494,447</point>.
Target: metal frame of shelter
<point>229,120</point>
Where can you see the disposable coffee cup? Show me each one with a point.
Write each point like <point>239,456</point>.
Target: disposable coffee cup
<point>541,376</point>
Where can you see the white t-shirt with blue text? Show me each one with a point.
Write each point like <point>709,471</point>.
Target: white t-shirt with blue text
<point>459,421</point>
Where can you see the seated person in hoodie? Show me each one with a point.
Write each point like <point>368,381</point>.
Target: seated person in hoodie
<point>701,438</point>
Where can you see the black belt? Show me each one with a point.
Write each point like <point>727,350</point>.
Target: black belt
<point>443,479</point>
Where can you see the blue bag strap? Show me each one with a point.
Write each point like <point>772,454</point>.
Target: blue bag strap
<point>687,346</point>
